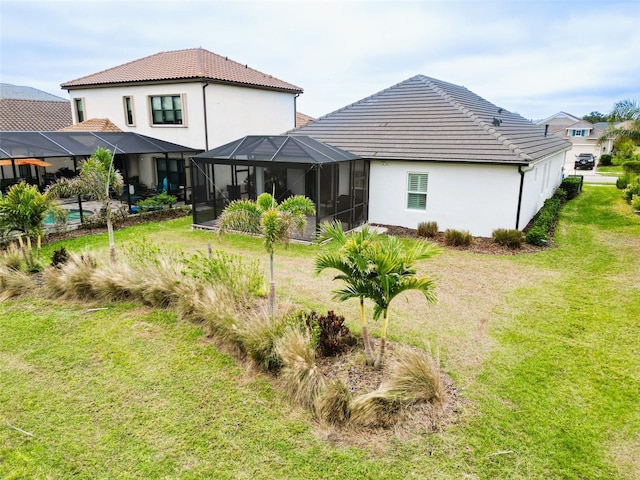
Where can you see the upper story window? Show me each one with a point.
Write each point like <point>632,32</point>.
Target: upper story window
<point>417,191</point>
<point>129,118</point>
<point>166,110</point>
<point>579,133</point>
<point>79,108</point>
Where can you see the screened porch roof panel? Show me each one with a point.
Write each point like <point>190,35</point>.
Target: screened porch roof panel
<point>297,149</point>
<point>70,144</point>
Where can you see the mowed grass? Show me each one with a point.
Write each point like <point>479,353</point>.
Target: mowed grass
<point>544,349</point>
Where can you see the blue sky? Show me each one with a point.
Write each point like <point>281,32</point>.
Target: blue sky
<point>534,57</point>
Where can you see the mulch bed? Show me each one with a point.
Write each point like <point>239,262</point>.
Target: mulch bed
<point>482,245</point>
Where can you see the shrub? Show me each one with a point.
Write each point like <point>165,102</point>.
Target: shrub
<point>572,185</point>
<point>427,229</point>
<point>59,258</point>
<point>543,223</point>
<point>157,202</point>
<point>605,159</point>
<point>331,335</point>
<point>510,238</point>
<point>635,202</point>
<point>244,280</point>
<point>457,238</point>
<point>632,167</point>
<point>623,181</point>
<point>560,194</point>
<point>632,189</point>
<point>300,377</point>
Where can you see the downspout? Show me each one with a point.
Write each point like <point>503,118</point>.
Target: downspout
<point>295,110</point>
<point>206,125</point>
<point>519,196</point>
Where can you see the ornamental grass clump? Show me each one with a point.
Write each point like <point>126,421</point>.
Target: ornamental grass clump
<point>14,282</point>
<point>415,377</point>
<point>427,229</point>
<point>301,379</point>
<point>457,238</point>
<point>74,280</point>
<point>380,408</point>
<point>510,238</point>
<point>333,406</point>
<point>11,257</point>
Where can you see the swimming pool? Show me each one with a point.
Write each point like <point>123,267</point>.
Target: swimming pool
<point>74,216</point>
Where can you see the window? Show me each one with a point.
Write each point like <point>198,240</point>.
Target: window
<point>578,133</point>
<point>417,191</point>
<point>171,175</point>
<point>128,111</point>
<point>166,110</point>
<point>79,105</point>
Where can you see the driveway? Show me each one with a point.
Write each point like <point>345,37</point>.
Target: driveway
<point>590,176</point>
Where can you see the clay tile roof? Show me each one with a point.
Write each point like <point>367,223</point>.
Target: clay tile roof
<point>194,63</point>
<point>34,115</point>
<point>427,119</point>
<point>93,125</point>
<point>302,119</point>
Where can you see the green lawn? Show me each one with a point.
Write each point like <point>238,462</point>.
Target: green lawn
<point>543,347</point>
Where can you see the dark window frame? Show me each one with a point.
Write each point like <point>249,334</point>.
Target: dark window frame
<point>169,111</point>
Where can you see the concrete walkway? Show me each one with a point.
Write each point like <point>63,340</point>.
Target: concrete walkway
<point>590,176</point>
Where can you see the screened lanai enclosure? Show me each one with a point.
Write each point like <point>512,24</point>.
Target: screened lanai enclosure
<point>40,158</point>
<point>284,165</point>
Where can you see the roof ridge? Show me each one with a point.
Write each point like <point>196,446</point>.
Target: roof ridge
<point>490,129</point>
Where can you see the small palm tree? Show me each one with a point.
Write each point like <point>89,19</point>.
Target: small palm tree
<point>276,222</point>
<point>23,209</point>
<point>352,261</point>
<point>623,111</point>
<point>393,273</point>
<point>96,177</point>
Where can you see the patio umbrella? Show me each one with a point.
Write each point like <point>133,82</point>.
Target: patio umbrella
<point>25,161</point>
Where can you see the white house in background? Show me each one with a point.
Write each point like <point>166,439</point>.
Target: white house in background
<point>421,150</point>
<point>583,135</point>
<point>188,97</point>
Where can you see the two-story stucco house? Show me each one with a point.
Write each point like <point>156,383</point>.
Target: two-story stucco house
<point>188,97</point>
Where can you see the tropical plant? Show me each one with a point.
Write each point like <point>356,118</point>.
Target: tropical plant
<point>275,222</point>
<point>97,176</point>
<point>623,111</point>
<point>393,273</point>
<point>352,261</point>
<point>23,210</point>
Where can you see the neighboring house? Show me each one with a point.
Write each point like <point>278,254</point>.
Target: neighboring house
<point>421,150</point>
<point>93,125</point>
<point>28,109</point>
<point>583,135</point>
<point>302,119</point>
<point>188,97</point>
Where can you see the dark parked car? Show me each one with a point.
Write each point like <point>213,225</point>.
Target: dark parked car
<point>585,160</point>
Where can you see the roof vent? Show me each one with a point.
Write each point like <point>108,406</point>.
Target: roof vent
<point>496,122</point>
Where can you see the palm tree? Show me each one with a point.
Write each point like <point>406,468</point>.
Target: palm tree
<point>23,209</point>
<point>352,261</point>
<point>96,177</point>
<point>276,222</point>
<point>627,111</point>
<point>393,273</point>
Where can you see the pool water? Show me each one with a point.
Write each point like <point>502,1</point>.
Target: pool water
<point>74,216</point>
